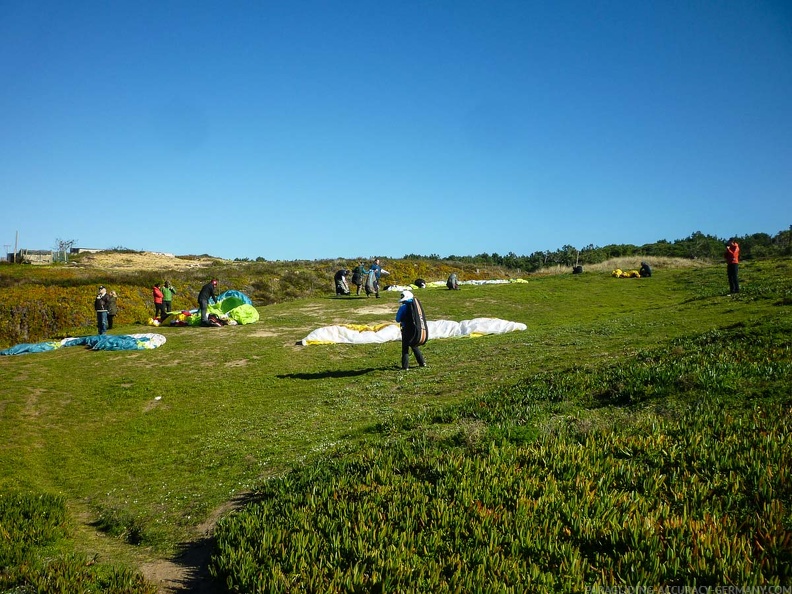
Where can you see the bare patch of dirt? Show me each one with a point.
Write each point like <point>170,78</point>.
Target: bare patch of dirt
<point>125,357</point>
<point>265,333</point>
<point>312,310</point>
<point>377,310</point>
<point>237,363</point>
<point>31,404</point>
<point>188,572</point>
<point>142,261</point>
<point>152,403</point>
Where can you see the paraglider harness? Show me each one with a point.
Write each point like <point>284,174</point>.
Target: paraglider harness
<point>341,286</point>
<point>415,330</point>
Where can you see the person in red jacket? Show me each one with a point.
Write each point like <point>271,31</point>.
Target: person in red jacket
<point>159,307</point>
<point>732,255</point>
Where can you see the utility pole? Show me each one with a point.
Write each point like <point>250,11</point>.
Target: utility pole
<point>16,246</point>
<point>7,247</point>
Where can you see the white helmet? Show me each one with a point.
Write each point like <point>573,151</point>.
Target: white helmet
<point>406,296</point>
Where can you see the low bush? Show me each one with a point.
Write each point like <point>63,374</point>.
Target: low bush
<point>699,493</point>
<point>55,301</point>
<point>32,527</point>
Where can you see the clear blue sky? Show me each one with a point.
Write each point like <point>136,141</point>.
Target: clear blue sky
<point>323,129</point>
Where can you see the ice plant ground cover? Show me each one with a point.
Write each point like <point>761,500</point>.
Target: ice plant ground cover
<point>636,432</point>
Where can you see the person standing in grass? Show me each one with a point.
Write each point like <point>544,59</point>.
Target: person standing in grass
<point>208,291</point>
<point>407,327</point>
<point>359,276</point>
<point>112,308</point>
<point>168,291</point>
<point>732,255</point>
<point>378,272</point>
<point>159,308</point>
<point>100,305</point>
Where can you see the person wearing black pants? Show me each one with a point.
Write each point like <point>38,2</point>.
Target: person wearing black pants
<point>732,255</point>
<point>112,308</point>
<point>403,317</point>
<point>208,291</point>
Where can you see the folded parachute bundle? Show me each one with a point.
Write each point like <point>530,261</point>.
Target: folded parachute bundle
<point>99,342</point>
<point>619,273</point>
<point>232,307</point>
<point>362,334</point>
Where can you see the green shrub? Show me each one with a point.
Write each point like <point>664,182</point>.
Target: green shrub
<point>42,303</point>
<point>700,496</point>
<point>31,530</point>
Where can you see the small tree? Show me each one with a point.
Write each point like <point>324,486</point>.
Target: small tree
<point>64,246</point>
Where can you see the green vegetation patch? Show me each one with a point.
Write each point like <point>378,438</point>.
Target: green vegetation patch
<point>696,491</point>
<point>615,380</point>
<point>33,529</point>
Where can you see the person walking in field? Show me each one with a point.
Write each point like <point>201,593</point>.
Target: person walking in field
<point>732,255</point>
<point>377,271</point>
<point>100,305</point>
<point>112,308</point>
<point>413,336</point>
<point>208,291</point>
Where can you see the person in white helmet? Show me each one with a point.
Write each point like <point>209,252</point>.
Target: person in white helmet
<point>405,321</point>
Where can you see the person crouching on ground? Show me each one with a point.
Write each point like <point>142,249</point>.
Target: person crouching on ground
<point>208,291</point>
<point>341,286</point>
<point>405,321</point>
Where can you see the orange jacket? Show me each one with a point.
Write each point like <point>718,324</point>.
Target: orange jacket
<point>732,253</point>
<point>157,295</point>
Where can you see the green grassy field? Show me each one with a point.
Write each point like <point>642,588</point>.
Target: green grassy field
<point>241,404</point>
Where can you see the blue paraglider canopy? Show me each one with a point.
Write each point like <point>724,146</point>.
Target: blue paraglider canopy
<point>99,342</point>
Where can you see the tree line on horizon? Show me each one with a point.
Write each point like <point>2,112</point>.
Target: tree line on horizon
<point>696,246</point>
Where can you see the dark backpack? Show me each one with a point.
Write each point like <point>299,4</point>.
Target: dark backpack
<point>415,329</point>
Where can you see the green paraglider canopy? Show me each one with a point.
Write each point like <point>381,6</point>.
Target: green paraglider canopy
<point>231,305</point>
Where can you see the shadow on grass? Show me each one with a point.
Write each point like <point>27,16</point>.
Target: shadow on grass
<point>335,373</point>
<point>188,571</point>
<point>192,574</point>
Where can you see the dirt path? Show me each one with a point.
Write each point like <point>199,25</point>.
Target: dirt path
<point>187,573</point>
<point>189,570</point>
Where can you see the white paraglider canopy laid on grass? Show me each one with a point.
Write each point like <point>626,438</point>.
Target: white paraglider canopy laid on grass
<point>362,334</point>
<point>442,284</point>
